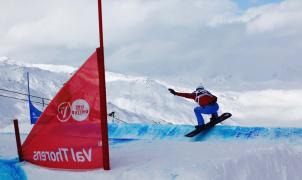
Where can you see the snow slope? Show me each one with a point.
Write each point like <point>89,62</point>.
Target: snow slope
<point>158,152</point>
<point>169,160</point>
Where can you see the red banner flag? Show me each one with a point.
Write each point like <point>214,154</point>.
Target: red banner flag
<point>68,133</point>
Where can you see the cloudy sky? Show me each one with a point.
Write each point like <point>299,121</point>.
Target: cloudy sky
<point>252,40</point>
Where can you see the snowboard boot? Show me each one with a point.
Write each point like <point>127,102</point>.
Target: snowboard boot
<point>214,118</point>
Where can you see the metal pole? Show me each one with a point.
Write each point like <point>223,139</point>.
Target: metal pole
<point>100,24</point>
<point>18,140</point>
<point>28,90</point>
<point>43,103</point>
<point>102,89</point>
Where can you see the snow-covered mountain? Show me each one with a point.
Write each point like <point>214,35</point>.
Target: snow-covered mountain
<point>13,77</point>
<point>142,99</point>
<point>133,99</point>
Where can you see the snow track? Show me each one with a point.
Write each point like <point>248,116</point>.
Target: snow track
<point>142,151</point>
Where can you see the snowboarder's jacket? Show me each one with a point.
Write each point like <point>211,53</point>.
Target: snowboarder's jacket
<point>202,97</point>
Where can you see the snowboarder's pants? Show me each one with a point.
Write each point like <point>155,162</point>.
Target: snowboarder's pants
<point>209,109</point>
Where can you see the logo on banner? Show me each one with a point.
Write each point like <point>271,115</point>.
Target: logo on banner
<point>80,110</point>
<point>64,112</point>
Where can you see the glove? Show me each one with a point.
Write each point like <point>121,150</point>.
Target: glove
<point>172,91</point>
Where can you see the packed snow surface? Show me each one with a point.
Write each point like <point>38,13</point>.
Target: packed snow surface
<point>142,151</point>
<point>147,159</point>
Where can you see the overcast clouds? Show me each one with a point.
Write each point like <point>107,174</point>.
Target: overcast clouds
<point>197,38</point>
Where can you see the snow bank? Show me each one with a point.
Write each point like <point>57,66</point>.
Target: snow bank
<point>275,162</point>
<point>177,132</point>
<point>10,170</point>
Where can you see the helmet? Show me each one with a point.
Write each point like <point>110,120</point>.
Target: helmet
<point>199,87</point>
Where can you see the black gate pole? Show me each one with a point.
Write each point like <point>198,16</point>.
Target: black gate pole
<point>18,140</point>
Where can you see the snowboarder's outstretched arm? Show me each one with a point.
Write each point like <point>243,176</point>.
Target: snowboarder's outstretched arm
<point>185,95</point>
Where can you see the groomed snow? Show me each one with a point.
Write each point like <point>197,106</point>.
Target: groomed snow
<point>155,157</point>
<point>183,160</point>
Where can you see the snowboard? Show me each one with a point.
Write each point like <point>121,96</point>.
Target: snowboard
<point>209,125</point>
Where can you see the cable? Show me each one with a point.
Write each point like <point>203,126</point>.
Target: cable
<point>21,99</point>
<point>1,95</point>
<point>23,94</point>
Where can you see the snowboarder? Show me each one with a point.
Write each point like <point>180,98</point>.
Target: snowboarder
<point>207,103</point>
